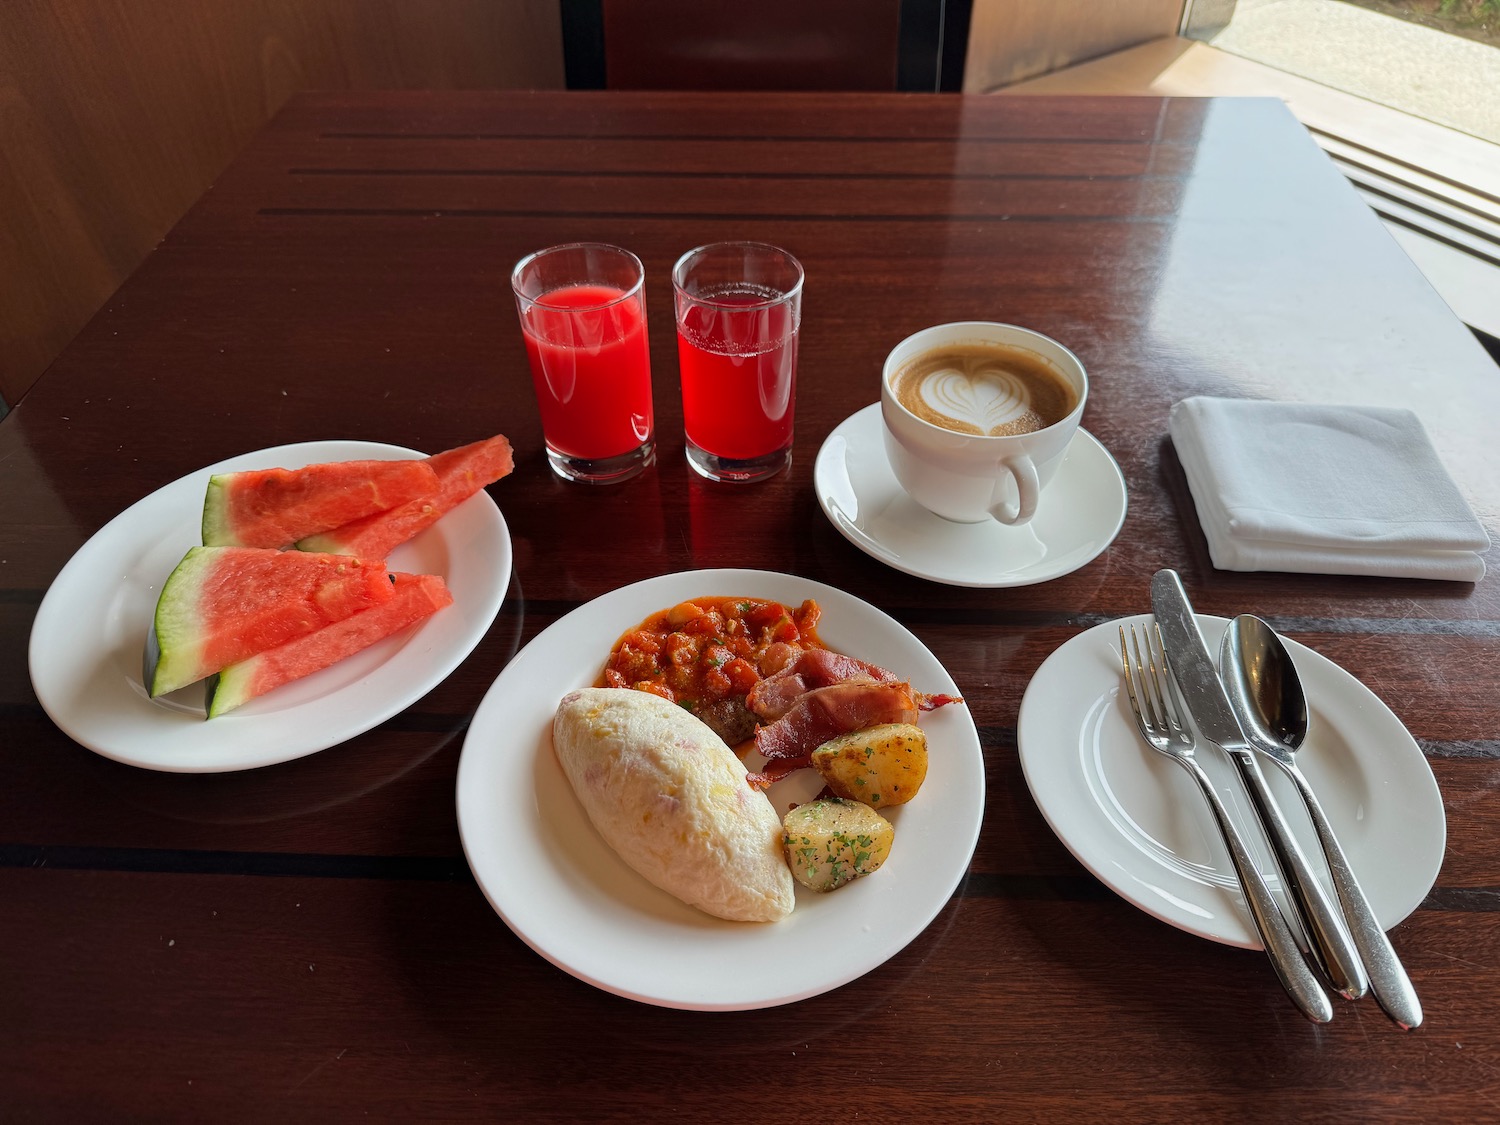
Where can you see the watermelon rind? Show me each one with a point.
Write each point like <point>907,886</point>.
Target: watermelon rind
<point>177,641</point>
<point>216,529</point>
<point>228,688</point>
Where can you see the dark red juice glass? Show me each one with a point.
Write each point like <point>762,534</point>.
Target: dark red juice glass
<point>583,318</point>
<point>739,309</point>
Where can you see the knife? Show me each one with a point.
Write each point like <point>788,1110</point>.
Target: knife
<point>1193,668</point>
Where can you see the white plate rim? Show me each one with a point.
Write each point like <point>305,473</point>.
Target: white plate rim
<point>1411,846</point>
<point>1084,444</point>
<point>471,545</point>
<point>549,900</point>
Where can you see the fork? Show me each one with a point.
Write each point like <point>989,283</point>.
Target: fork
<point>1158,713</point>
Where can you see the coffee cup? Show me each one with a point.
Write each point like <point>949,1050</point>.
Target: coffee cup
<point>977,417</point>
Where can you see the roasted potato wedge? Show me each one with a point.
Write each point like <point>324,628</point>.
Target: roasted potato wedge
<point>831,841</point>
<point>880,766</point>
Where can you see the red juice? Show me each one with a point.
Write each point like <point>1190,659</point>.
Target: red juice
<point>591,369</point>
<point>738,369</point>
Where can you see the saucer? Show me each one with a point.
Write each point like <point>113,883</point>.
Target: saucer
<point>1080,514</point>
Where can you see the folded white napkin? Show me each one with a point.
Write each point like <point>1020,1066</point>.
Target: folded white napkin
<point>1324,489</point>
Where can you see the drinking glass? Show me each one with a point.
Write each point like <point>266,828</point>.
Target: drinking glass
<point>583,317</point>
<point>739,308</point>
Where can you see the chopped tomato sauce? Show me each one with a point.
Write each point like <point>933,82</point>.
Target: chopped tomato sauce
<point>709,649</point>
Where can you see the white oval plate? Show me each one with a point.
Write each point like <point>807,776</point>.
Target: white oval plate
<point>1080,516</point>
<point>87,640</point>
<point>548,873</point>
<point>1137,821</point>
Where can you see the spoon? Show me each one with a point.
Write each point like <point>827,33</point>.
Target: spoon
<point>1266,696</point>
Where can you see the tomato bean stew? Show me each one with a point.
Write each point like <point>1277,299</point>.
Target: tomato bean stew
<point>706,655</point>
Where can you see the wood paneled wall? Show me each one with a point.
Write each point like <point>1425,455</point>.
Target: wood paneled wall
<point>115,115</point>
<point>1012,40</point>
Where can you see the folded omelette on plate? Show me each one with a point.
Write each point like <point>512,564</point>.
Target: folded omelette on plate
<point>671,798</point>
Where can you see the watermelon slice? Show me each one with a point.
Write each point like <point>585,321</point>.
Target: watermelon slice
<point>224,604</point>
<point>416,596</point>
<point>461,473</point>
<point>277,507</point>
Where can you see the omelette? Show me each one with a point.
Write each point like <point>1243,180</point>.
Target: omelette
<point>671,798</point>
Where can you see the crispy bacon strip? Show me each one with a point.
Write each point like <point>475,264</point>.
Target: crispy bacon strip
<point>774,696</point>
<point>823,713</point>
<point>821,695</point>
<point>775,771</point>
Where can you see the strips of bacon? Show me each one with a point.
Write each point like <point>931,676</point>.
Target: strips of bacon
<point>774,696</point>
<point>825,694</point>
<point>822,713</point>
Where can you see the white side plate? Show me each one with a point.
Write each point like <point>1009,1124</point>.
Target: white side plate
<point>1137,820</point>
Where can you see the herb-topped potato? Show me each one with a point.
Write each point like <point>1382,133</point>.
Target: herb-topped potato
<point>831,841</point>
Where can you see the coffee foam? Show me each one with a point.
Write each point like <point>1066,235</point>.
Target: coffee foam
<point>983,389</point>
<point>986,397</point>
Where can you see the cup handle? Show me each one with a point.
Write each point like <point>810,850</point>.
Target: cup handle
<point>1023,472</point>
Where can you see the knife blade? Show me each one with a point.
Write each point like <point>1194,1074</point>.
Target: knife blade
<point>1192,667</point>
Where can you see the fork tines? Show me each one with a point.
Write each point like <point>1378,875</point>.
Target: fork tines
<point>1154,690</point>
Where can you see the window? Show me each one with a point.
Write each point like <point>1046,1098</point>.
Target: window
<point>1435,59</point>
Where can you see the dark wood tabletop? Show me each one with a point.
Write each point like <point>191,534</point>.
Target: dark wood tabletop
<point>306,939</point>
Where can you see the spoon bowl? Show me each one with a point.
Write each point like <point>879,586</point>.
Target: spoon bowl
<point>1264,688</point>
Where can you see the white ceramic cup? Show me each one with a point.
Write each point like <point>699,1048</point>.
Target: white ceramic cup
<point>970,478</point>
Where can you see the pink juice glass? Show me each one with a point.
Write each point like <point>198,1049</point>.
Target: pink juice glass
<point>739,309</point>
<point>583,318</point>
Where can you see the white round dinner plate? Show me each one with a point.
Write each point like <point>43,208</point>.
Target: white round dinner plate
<point>561,888</point>
<point>89,635</point>
<point>1079,515</point>
<point>1136,819</point>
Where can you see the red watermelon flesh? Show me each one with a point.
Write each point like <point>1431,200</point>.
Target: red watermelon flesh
<point>416,596</point>
<point>225,604</point>
<point>461,473</point>
<point>277,507</point>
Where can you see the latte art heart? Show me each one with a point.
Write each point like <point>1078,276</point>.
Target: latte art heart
<point>982,388</point>
<point>986,398</point>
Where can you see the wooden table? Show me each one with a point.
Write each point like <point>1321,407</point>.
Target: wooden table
<point>306,940</point>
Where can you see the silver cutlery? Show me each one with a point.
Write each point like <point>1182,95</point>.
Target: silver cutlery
<point>1193,671</point>
<point>1158,714</point>
<point>1266,695</point>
